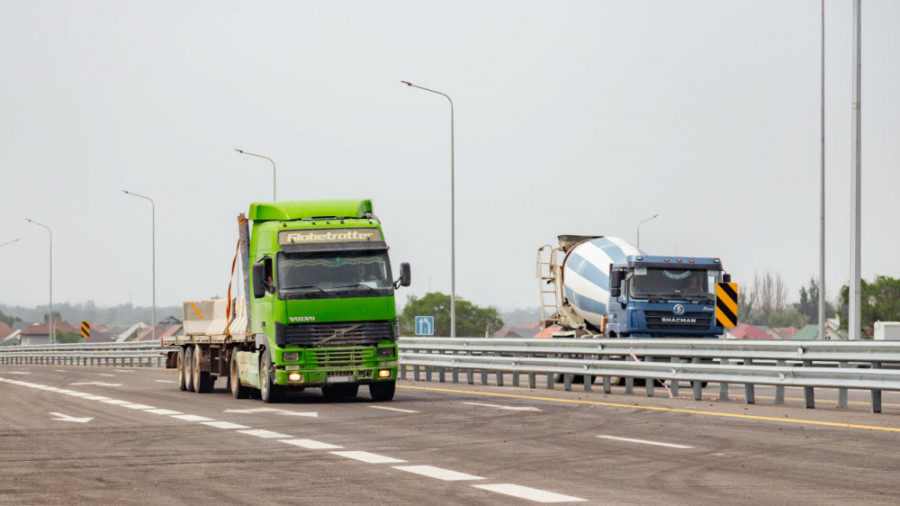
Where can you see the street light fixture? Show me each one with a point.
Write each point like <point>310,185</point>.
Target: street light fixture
<point>52,328</point>
<point>241,151</point>
<point>9,242</point>
<point>452,211</point>
<point>639,229</point>
<point>153,211</point>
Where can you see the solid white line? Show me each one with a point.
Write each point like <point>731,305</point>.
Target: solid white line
<point>438,473</point>
<point>370,458</point>
<point>309,444</point>
<point>226,425</point>
<point>531,494</point>
<point>645,442</point>
<point>511,408</point>
<point>166,412</point>
<point>192,418</point>
<point>265,434</point>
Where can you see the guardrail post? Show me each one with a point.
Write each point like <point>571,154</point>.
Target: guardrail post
<point>587,379</point>
<point>470,373</point>
<point>428,369</point>
<point>441,371</point>
<point>402,369</point>
<point>455,371</point>
<point>484,374</point>
<point>842,392</point>
<point>416,372</point>
<point>723,387</point>
<point>629,385</point>
<point>550,380</point>
<point>532,380</point>
<point>779,389</point>
<point>674,383</point>
<point>499,378</point>
<point>749,388</point>
<point>697,386</point>
<point>809,394</point>
<point>876,394</point>
<point>515,374</point>
<point>567,378</point>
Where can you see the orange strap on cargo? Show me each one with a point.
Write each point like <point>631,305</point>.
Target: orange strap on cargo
<point>230,280</point>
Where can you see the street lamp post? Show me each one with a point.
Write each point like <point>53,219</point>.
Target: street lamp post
<point>241,151</point>
<point>52,328</point>
<point>9,242</point>
<point>452,211</point>
<point>153,214</point>
<point>639,229</point>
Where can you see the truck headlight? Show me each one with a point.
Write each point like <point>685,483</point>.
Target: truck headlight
<point>290,356</point>
<point>384,373</point>
<point>295,376</point>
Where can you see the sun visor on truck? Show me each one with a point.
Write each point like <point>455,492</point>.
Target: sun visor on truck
<point>336,246</point>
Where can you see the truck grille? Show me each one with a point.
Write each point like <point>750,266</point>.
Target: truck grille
<point>666,320</point>
<point>329,335</point>
<point>348,357</point>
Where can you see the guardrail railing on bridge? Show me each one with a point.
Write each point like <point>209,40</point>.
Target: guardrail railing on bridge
<point>136,354</point>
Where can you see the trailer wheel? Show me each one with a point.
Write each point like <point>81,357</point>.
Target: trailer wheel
<point>203,380</point>
<point>268,391</point>
<point>238,391</point>
<point>382,391</point>
<point>188,374</point>
<point>182,383</point>
<point>338,392</point>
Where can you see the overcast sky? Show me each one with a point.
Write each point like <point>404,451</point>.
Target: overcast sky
<point>571,118</point>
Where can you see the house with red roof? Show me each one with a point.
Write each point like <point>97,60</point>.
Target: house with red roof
<point>746,331</point>
<point>39,333</point>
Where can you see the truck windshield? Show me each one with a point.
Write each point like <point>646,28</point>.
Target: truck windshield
<point>334,274</point>
<point>673,284</point>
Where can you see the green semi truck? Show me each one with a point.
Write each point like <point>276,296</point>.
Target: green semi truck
<point>319,308</point>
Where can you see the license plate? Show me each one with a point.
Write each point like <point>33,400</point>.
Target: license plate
<point>340,379</point>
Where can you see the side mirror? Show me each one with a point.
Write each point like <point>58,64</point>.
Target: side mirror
<point>405,276</point>
<point>615,283</point>
<point>259,280</point>
<point>726,278</point>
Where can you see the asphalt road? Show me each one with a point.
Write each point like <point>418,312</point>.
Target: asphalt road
<point>84,435</point>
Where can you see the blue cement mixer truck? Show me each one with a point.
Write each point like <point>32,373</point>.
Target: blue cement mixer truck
<point>596,286</point>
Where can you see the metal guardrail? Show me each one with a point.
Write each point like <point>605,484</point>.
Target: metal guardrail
<point>134,354</point>
<point>807,364</point>
<point>862,365</point>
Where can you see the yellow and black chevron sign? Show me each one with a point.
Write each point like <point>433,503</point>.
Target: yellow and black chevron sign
<point>85,330</point>
<point>726,304</point>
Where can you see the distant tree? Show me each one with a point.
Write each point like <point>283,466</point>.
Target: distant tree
<point>879,301</point>
<point>56,316</point>
<point>68,336</point>
<point>471,320</point>
<point>9,320</point>
<point>809,302</point>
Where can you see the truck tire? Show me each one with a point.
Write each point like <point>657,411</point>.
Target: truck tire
<point>238,391</point>
<point>338,392</point>
<point>188,375</point>
<point>382,390</point>
<point>182,381</point>
<point>203,380</point>
<point>268,391</point>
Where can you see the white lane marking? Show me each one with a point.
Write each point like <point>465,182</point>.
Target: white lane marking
<point>370,458</point>
<point>123,370</point>
<point>394,409</point>
<point>166,412</point>
<point>106,375</point>
<point>531,494</point>
<point>645,442</point>
<point>164,381</point>
<point>192,418</point>
<point>511,408</point>
<point>226,425</point>
<point>117,402</point>
<point>265,434</point>
<point>309,444</point>
<point>438,473</point>
<point>98,383</point>
<point>60,370</point>
<point>66,418</point>
<point>273,410</point>
<point>19,372</point>
<point>78,394</point>
<point>137,406</point>
<point>97,398</point>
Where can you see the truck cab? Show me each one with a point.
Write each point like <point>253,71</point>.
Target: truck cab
<point>659,296</point>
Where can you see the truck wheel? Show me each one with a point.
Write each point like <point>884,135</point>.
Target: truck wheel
<point>337,392</point>
<point>188,375</point>
<point>268,390</point>
<point>382,391</point>
<point>203,380</point>
<point>182,383</point>
<point>238,391</point>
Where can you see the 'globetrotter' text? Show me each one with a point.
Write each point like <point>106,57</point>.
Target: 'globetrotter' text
<point>338,235</point>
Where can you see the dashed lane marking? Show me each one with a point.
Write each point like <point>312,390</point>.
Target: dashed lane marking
<point>509,408</point>
<point>192,418</point>
<point>226,425</point>
<point>137,406</point>
<point>265,434</point>
<point>531,494</point>
<point>166,412</point>
<point>98,383</point>
<point>646,442</point>
<point>116,402</point>
<point>310,444</point>
<point>438,473</point>
<point>369,458</point>
<point>394,409</point>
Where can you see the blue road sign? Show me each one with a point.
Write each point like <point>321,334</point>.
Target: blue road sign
<point>424,325</point>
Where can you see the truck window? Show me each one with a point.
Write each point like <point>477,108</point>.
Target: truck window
<point>673,284</point>
<point>334,274</point>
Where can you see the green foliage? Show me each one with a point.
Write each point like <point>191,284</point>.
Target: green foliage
<point>9,320</point>
<point>68,336</point>
<point>471,320</point>
<point>879,301</point>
